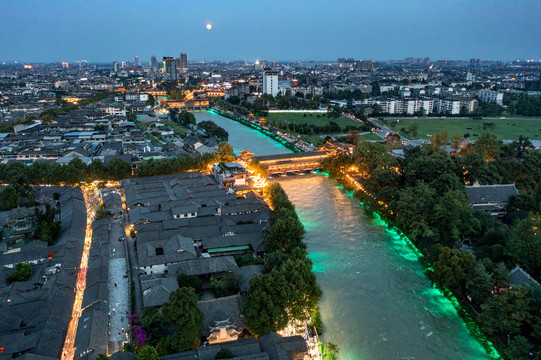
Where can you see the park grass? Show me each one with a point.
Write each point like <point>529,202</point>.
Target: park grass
<point>313,139</point>
<point>371,136</point>
<point>310,119</point>
<point>179,130</point>
<point>319,140</point>
<point>503,129</point>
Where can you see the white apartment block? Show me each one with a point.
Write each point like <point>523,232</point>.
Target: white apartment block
<point>426,106</point>
<point>490,96</point>
<point>270,82</point>
<point>447,106</point>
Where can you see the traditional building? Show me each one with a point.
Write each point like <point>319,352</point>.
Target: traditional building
<point>491,198</point>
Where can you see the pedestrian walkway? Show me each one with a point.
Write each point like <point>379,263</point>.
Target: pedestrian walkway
<point>119,289</point>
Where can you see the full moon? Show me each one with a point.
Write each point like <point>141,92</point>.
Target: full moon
<point>209,26</point>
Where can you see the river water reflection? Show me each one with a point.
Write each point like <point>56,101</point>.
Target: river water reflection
<point>377,303</point>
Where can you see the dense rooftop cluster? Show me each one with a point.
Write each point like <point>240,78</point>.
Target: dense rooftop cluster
<point>35,313</point>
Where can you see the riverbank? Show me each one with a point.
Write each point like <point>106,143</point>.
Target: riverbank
<point>287,141</point>
<point>461,309</point>
<point>377,302</point>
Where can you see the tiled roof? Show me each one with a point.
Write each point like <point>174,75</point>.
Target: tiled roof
<point>479,194</point>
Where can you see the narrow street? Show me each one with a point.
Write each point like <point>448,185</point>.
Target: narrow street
<point>90,195</point>
<point>119,288</point>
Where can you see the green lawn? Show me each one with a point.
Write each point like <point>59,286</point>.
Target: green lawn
<point>318,140</point>
<point>371,137</point>
<point>311,118</point>
<point>179,130</point>
<point>503,129</point>
<point>314,139</point>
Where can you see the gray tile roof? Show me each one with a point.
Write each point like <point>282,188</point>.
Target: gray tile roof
<point>122,355</point>
<point>246,273</point>
<point>156,291</point>
<point>92,332</point>
<point>220,309</point>
<point>205,266</point>
<point>244,348</point>
<point>44,310</point>
<point>484,194</point>
<point>268,347</point>
<point>282,348</point>
<point>175,249</point>
<point>518,276</point>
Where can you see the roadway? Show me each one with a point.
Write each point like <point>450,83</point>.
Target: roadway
<point>68,352</point>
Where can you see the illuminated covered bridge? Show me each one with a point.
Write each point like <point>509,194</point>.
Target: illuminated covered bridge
<point>292,163</point>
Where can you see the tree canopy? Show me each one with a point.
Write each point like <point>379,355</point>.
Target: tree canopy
<point>21,272</point>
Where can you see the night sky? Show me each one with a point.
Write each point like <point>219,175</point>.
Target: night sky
<point>104,31</point>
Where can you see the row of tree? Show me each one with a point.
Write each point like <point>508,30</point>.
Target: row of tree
<point>54,173</point>
<point>331,127</point>
<point>288,290</point>
<point>522,104</point>
<point>425,197</point>
<point>19,175</point>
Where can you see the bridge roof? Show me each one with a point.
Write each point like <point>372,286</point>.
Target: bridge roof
<point>290,156</point>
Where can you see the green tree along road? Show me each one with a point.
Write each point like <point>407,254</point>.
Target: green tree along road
<point>53,173</point>
<point>426,199</point>
<point>38,173</point>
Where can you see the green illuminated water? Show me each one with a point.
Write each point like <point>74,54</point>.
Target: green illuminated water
<point>242,136</point>
<point>377,302</point>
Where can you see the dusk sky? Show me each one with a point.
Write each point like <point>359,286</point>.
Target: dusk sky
<point>104,31</point>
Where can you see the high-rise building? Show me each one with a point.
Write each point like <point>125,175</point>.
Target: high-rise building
<point>153,63</point>
<point>115,66</point>
<point>137,61</point>
<point>169,68</point>
<point>183,61</point>
<point>270,82</point>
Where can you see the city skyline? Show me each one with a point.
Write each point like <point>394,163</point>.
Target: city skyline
<point>102,33</point>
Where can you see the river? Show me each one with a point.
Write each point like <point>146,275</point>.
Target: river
<point>376,303</point>
<point>242,136</point>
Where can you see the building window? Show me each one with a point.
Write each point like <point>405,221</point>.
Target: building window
<point>159,251</point>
